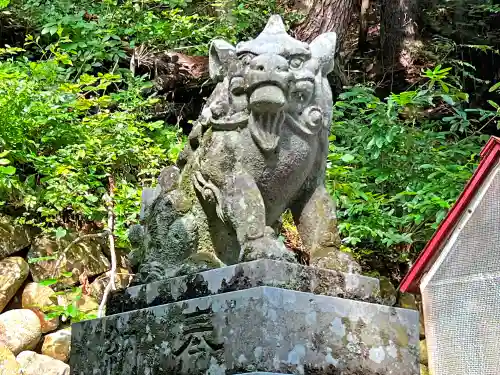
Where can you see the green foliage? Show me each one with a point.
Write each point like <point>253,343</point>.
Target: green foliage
<point>64,141</point>
<point>394,170</point>
<point>70,310</point>
<point>95,34</point>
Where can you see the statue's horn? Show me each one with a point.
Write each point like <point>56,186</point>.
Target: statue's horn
<point>274,25</point>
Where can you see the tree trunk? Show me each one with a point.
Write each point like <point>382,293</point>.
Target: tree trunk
<point>363,24</point>
<point>398,33</point>
<point>323,16</point>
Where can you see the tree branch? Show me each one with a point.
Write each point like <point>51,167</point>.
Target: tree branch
<point>111,227</point>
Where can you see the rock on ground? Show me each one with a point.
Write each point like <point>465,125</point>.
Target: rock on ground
<point>58,344</point>
<point>85,304</point>
<point>122,280</point>
<point>84,256</point>
<point>13,237</point>
<point>13,272</point>
<point>20,330</point>
<point>407,301</point>
<point>122,257</point>
<point>424,359</point>
<point>388,292</point>
<point>38,364</point>
<point>39,298</point>
<point>8,363</point>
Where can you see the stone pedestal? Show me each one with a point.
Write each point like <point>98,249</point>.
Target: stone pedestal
<point>263,316</point>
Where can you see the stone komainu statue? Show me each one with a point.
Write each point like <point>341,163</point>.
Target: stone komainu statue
<point>259,147</point>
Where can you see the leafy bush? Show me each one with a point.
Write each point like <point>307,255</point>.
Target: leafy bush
<point>65,142</point>
<point>394,170</point>
<point>96,34</point>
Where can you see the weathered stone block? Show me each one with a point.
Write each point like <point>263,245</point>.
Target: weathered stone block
<point>257,329</point>
<point>264,272</point>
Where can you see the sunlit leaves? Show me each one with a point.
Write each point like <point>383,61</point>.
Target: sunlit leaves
<point>394,172</point>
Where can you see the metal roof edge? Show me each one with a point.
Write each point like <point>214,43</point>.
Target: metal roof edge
<point>489,155</point>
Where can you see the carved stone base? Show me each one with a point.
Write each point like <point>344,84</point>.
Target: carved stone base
<point>257,328</point>
<point>263,272</point>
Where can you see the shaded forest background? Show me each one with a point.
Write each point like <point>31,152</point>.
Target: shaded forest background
<point>96,97</point>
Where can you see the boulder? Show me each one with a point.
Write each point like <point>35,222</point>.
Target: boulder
<point>16,301</point>
<point>20,330</point>
<point>85,256</point>
<point>422,328</point>
<point>13,272</point>
<point>122,257</point>
<point>8,363</point>
<point>407,301</point>
<point>13,237</point>
<point>58,344</point>
<point>38,364</point>
<point>86,304</point>
<point>40,298</point>
<point>388,292</point>
<point>424,359</point>
<point>122,280</point>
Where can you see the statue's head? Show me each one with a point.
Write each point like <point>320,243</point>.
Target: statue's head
<point>274,78</point>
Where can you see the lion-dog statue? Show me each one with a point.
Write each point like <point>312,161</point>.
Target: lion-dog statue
<point>259,147</point>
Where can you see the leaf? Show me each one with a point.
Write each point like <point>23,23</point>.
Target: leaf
<point>493,104</point>
<point>494,87</point>
<point>60,232</point>
<point>53,29</point>
<point>4,161</point>
<point>42,259</point>
<point>448,99</point>
<point>92,198</point>
<point>8,171</point>
<point>426,166</point>
<point>67,274</point>
<point>347,158</point>
<point>72,310</point>
<point>48,282</point>
<point>4,4</point>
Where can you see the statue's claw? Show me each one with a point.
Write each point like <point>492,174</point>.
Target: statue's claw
<point>267,247</point>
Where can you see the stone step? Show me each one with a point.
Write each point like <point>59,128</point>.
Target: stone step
<point>251,330</point>
<point>242,276</point>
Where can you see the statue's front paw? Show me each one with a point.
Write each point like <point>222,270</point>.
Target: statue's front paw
<point>267,247</point>
<point>337,260</point>
<point>199,262</point>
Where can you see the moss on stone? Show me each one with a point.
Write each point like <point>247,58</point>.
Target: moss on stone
<point>402,338</point>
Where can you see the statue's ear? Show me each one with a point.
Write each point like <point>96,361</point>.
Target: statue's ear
<point>219,55</point>
<point>323,49</point>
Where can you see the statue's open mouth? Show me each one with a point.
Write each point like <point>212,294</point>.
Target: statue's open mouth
<point>267,102</point>
<point>267,98</point>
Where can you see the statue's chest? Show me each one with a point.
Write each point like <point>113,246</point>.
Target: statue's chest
<point>281,174</point>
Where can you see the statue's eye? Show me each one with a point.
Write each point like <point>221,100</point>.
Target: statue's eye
<point>296,62</point>
<point>246,58</point>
